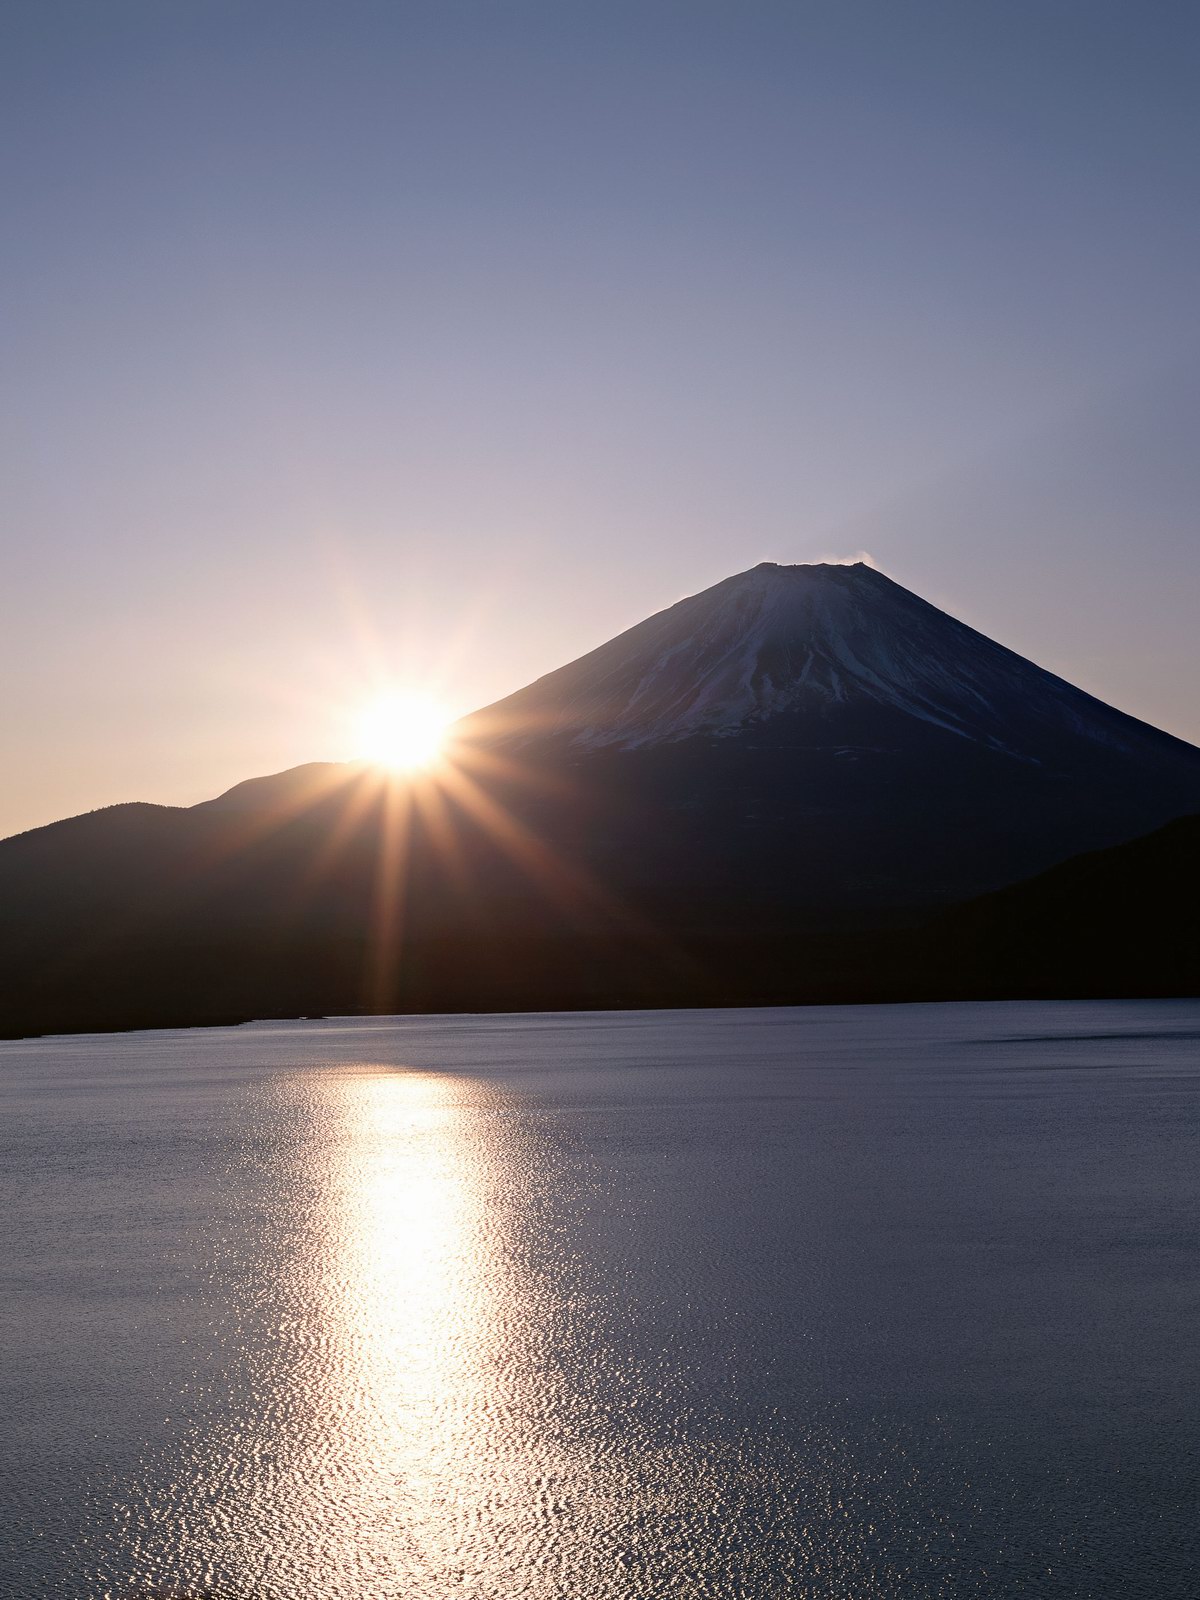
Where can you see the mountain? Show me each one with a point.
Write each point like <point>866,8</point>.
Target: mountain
<point>736,798</point>
<point>819,739</point>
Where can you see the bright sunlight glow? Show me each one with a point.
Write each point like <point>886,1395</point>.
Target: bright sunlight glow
<point>402,730</point>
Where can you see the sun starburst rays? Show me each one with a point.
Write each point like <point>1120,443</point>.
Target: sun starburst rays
<point>436,839</point>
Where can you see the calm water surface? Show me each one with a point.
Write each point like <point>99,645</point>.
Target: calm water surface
<point>896,1301</point>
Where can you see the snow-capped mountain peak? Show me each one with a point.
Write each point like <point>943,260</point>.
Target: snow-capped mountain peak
<point>821,649</point>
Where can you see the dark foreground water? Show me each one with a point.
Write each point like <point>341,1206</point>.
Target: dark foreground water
<point>857,1303</point>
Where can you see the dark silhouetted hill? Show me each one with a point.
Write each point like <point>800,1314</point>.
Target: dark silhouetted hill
<point>1117,922</point>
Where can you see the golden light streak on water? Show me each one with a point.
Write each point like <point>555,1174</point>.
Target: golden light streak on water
<point>339,1438</point>
<point>414,1301</point>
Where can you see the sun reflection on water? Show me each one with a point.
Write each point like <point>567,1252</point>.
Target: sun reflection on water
<point>412,1303</point>
<point>429,1375</point>
<point>355,1294</point>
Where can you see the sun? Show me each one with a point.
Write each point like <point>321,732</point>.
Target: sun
<point>402,730</point>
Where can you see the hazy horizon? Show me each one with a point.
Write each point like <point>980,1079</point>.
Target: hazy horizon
<point>436,344</point>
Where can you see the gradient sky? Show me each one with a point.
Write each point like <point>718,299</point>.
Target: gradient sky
<point>349,341</point>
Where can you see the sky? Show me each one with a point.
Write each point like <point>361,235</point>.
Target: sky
<point>351,344</point>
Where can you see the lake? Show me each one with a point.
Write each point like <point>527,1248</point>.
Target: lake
<point>856,1302</point>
